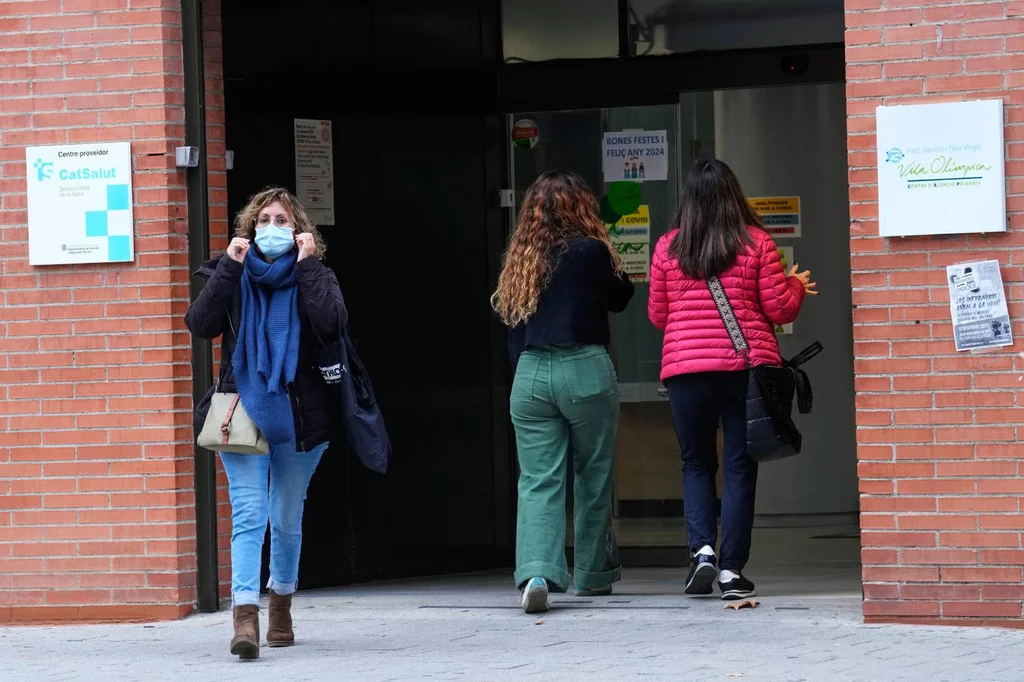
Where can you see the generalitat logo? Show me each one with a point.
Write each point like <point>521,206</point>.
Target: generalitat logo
<point>894,155</point>
<point>44,169</point>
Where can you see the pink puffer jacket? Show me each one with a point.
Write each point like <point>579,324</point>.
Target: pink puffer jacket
<point>682,307</point>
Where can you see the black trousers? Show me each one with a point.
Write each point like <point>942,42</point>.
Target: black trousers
<point>699,403</point>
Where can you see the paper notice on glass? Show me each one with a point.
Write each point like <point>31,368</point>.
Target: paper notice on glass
<point>314,169</point>
<point>786,258</point>
<point>635,155</point>
<point>977,302</point>
<point>780,215</point>
<point>631,237</point>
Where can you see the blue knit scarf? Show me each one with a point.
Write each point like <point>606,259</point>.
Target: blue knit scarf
<point>267,350</point>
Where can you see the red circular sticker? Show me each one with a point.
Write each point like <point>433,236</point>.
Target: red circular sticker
<point>525,134</point>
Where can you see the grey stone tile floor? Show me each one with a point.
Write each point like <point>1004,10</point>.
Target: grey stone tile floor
<point>469,628</point>
<point>808,628</point>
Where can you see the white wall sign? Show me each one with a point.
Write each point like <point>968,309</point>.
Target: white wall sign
<point>941,169</point>
<point>977,302</point>
<point>80,204</point>
<point>314,169</point>
<point>637,155</point>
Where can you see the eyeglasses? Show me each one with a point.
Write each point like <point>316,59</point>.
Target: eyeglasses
<point>280,221</point>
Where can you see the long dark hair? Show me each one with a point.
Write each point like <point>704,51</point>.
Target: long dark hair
<point>713,221</point>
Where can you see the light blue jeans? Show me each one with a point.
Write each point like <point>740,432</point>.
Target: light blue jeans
<point>253,502</point>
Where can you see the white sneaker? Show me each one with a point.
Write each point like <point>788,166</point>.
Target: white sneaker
<point>535,596</point>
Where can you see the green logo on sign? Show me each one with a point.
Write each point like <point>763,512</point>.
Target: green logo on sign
<point>624,197</point>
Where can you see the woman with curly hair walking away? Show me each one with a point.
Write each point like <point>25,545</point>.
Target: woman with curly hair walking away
<point>561,277</point>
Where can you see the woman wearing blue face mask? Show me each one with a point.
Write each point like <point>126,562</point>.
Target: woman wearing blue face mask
<point>269,298</point>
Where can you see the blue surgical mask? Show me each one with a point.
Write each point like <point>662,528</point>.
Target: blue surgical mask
<point>274,240</point>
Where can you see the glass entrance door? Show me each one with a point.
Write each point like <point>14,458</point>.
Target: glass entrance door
<point>630,152</point>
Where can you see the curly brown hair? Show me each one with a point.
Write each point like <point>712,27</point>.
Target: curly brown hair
<point>558,206</point>
<point>245,221</point>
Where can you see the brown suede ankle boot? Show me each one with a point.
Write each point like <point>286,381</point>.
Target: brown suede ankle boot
<point>246,642</point>
<point>279,632</point>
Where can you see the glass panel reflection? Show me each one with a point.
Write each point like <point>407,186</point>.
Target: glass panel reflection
<point>539,30</point>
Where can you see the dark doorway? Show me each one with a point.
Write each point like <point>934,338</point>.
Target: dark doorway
<point>414,248</point>
<point>417,95</point>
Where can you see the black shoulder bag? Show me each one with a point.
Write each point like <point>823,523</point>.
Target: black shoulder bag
<point>771,433</point>
<point>350,385</point>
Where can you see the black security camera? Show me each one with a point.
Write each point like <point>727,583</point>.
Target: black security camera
<point>795,65</point>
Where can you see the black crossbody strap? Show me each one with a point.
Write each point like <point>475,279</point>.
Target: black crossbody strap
<point>732,325</point>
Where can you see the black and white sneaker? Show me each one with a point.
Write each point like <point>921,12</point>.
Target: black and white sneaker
<point>737,588</point>
<point>702,575</point>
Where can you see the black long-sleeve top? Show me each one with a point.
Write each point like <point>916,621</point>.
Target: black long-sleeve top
<point>573,309</point>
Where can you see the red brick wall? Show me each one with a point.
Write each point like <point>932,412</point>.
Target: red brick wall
<point>940,472</point>
<point>96,477</point>
<point>219,229</point>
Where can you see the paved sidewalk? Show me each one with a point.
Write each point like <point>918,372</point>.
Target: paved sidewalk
<point>469,628</point>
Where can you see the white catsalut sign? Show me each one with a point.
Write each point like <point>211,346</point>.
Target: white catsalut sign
<point>941,169</point>
<point>80,204</point>
<point>314,169</point>
<point>977,302</point>
<point>636,155</point>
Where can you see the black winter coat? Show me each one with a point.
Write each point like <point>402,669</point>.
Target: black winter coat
<point>217,312</point>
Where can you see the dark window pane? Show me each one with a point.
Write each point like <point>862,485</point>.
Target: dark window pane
<point>538,30</point>
<point>675,26</point>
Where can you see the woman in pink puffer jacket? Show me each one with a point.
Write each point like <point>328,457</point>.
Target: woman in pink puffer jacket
<point>718,234</point>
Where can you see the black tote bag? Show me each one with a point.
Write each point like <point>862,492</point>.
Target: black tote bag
<point>771,432</point>
<point>348,379</point>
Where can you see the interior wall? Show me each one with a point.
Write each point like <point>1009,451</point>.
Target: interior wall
<point>791,141</point>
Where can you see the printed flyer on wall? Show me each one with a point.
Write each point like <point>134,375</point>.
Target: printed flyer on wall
<point>977,302</point>
<point>314,169</point>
